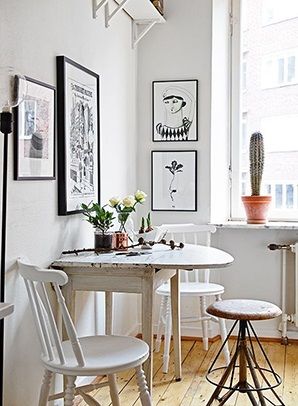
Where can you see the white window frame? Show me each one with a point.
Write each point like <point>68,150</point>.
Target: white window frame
<point>236,207</point>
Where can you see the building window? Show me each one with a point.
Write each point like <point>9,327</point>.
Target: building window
<point>265,99</point>
<point>274,11</point>
<point>244,71</point>
<point>279,69</point>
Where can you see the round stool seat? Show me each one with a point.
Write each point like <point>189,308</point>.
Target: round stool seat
<point>244,309</point>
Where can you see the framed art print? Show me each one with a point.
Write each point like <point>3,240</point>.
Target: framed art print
<point>174,180</point>
<point>78,136</point>
<point>175,110</point>
<point>34,133</point>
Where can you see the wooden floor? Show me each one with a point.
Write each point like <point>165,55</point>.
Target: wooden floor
<point>194,390</point>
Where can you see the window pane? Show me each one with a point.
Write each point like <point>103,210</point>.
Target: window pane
<point>278,10</point>
<point>290,196</point>
<point>281,70</point>
<point>291,68</point>
<point>278,196</point>
<point>268,88</point>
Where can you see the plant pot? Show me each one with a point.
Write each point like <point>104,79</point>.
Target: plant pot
<point>102,242</point>
<point>120,241</point>
<point>256,208</point>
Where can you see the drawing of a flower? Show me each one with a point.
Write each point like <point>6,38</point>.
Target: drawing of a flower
<point>174,168</point>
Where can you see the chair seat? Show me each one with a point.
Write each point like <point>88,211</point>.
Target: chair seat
<point>103,355</point>
<point>193,288</point>
<point>243,309</point>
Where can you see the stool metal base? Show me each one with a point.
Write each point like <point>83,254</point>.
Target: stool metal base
<point>235,375</point>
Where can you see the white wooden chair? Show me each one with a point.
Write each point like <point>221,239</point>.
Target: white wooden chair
<point>78,356</point>
<point>194,283</point>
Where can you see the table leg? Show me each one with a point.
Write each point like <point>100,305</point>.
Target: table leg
<point>109,313</point>
<point>175,304</point>
<point>70,297</point>
<point>147,327</point>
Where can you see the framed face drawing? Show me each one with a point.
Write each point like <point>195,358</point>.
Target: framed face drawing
<point>34,133</point>
<point>175,110</point>
<point>174,180</point>
<point>78,136</point>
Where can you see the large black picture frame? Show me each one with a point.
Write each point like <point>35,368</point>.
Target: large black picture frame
<point>34,133</point>
<point>174,175</point>
<point>78,124</point>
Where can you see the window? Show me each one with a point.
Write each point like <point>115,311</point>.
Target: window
<point>279,69</point>
<point>274,11</point>
<point>265,99</point>
<point>244,71</point>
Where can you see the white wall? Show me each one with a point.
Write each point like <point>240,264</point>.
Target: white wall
<point>32,33</point>
<point>179,49</point>
<point>182,48</point>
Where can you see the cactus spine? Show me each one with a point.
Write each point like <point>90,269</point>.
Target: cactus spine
<point>256,158</point>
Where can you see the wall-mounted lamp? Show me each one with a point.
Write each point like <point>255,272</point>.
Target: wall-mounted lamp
<point>13,90</point>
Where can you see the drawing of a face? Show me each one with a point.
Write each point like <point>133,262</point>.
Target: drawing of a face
<point>173,104</point>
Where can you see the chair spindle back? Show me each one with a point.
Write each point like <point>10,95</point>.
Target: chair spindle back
<point>193,234</point>
<point>35,279</point>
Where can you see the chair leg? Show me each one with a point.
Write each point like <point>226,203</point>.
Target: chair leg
<point>45,388</point>
<point>223,334</point>
<point>70,391</point>
<point>113,390</point>
<point>205,323</point>
<point>168,333</point>
<point>143,387</point>
<point>161,323</point>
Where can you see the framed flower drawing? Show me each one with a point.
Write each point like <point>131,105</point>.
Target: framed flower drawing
<point>174,180</point>
<point>175,110</point>
<point>78,136</point>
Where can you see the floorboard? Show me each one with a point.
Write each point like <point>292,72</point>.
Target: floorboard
<point>194,390</point>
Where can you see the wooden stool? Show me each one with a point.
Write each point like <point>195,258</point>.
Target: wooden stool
<point>244,358</point>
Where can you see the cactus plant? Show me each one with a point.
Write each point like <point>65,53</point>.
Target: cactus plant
<point>256,206</point>
<point>256,158</point>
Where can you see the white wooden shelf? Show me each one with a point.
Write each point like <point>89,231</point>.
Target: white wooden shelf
<point>142,12</point>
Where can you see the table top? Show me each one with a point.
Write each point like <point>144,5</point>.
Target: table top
<point>5,309</point>
<point>159,257</point>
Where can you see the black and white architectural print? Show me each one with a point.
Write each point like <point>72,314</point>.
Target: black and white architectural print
<point>34,133</point>
<point>78,135</point>
<point>175,110</point>
<point>174,180</point>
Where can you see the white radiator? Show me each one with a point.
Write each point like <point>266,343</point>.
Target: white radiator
<point>294,249</point>
<point>292,318</point>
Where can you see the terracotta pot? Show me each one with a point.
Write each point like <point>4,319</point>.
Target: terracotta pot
<point>102,242</point>
<point>120,241</point>
<point>256,208</point>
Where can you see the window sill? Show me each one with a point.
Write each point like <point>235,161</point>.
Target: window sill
<point>271,225</point>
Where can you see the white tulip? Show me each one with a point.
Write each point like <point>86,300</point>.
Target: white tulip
<point>140,196</point>
<point>129,201</point>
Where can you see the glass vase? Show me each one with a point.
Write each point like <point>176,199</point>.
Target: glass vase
<point>102,241</point>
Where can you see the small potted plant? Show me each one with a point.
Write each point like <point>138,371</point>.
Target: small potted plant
<point>256,206</point>
<point>102,220</point>
<point>146,229</point>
